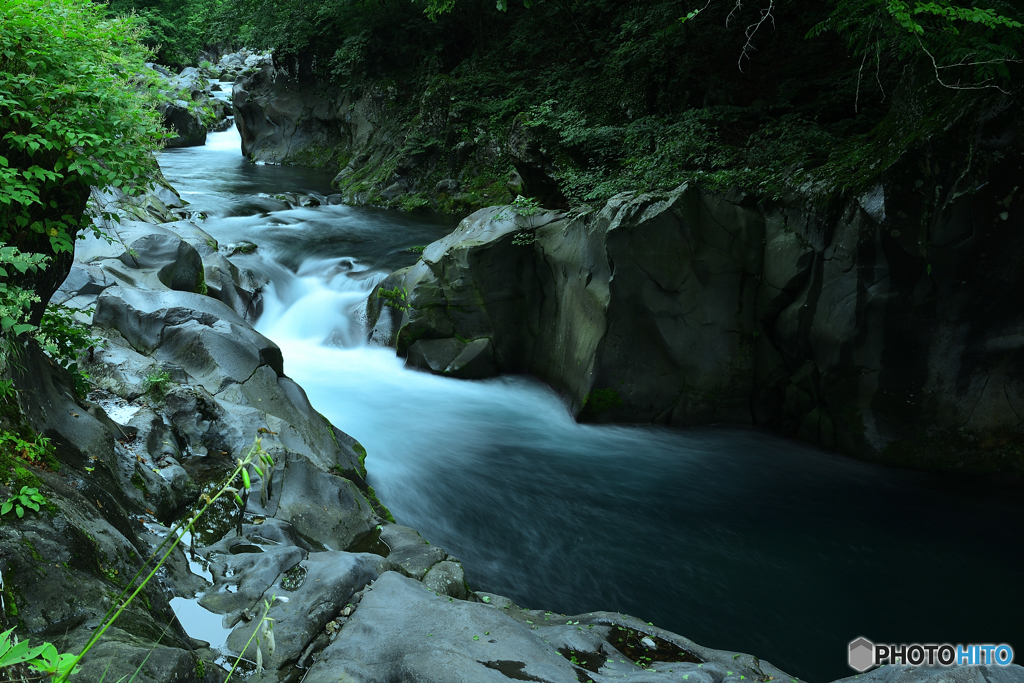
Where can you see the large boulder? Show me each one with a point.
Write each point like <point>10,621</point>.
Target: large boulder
<point>401,632</point>
<point>692,307</point>
<point>282,122</point>
<point>181,117</point>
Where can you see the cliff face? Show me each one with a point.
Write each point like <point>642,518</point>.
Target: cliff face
<point>884,322</point>
<point>893,331</point>
<point>284,122</point>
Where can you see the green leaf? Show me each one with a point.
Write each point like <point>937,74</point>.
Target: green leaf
<point>6,508</point>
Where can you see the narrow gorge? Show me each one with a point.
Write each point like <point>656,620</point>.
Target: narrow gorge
<point>553,360</point>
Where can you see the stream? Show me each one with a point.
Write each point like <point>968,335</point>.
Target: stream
<point>734,538</point>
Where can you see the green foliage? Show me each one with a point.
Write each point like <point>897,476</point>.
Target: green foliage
<point>177,30</point>
<point>72,118</point>
<point>29,498</point>
<point>397,298</point>
<point>36,449</point>
<point>969,47</point>
<point>43,659</point>
<point>155,384</point>
<point>527,207</point>
<point>435,8</point>
<point>64,339</point>
<point>15,301</point>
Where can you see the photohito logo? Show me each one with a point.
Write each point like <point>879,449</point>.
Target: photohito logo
<point>864,654</point>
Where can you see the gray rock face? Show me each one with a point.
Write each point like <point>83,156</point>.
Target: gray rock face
<point>330,580</point>
<point>402,632</point>
<point>322,506</point>
<point>281,122</point>
<point>180,117</point>
<point>690,308</point>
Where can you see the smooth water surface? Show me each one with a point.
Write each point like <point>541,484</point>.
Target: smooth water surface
<point>736,539</point>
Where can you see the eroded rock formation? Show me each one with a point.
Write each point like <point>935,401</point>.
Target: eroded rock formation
<point>882,331</point>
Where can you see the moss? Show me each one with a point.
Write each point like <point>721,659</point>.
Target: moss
<point>200,668</point>
<point>32,549</point>
<point>361,452</point>
<point>600,401</point>
<point>854,420</point>
<point>140,484</point>
<point>378,506</point>
<point>414,202</point>
<point>201,287</point>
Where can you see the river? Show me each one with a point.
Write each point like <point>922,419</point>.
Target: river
<point>732,537</point>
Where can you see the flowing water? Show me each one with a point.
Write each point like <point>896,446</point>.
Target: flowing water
<point>736,539</point>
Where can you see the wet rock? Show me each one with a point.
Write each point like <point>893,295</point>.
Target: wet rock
<point>282,122</point>
<point>301,615</point>
<point>180,117</point>
<point>179,265</point>
<point>325,508</point>
<point>434,354</point>
<point>241,579</point>
<point>123,655</point>
<point>447,578</point>
<point>402,631</point>
<point>409,553</point>
<point>448,185</point>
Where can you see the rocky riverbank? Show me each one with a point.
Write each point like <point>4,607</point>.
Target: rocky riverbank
<point>184,383</point>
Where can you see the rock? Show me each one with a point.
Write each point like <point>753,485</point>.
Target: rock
<point>402,632</point>
<point>180,266</point>
<point>690,307</point>
<point>535,168</point>
<point>300,615</point>
<point>123,655</point>
<point>242,579</point>
<point>448,185</point>
<point>180,118</point>
<point>395,190</point>
<point>325,508</point>
<point>188,105</point>
<point>473,360</point>
<point>434,354</point>
<point>447,578</point>
<point>409,553</point>
<point>284,123</point>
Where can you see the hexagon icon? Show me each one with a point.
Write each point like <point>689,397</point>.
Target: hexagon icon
<point>862,654</point>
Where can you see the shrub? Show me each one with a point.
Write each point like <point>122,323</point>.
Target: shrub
<point>73,119</point>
